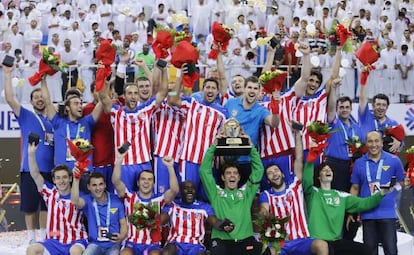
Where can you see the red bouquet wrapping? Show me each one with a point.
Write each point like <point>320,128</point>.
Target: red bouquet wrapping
<point>314,152</point>
<point>367,55</point>
<point>409,155</point>
<point>105,56</point>
<point>80,149</point>
<point>342,34</point>
<point>49,64</point>
<point>272,80</point>
<point>186,53</point>
<point>221,35</point>
<point>397,132</point>
<point>161,44</point>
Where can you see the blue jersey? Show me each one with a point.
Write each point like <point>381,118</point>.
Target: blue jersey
<point>32,122</point>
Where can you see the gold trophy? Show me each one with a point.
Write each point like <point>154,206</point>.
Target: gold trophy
<point>232,144</point>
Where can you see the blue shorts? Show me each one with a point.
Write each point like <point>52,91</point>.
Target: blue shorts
<point>162,178</point>
<point>129,174</point>
<point>30,197</point>
<point>189,249</point>
<point>285,163</point>
<point>300,246</point>
<point>139,249</point>
<point>107,173</point>
<point>53,246</point>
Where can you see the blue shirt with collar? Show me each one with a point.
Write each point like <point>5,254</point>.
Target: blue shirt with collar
<point>62,125</point>
<point>368,122</point>
<point>28,123</point>
<point>337,143</point>
<point>116,213</point>
<point>391,166</point>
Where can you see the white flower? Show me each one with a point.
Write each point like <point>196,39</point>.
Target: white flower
<point>278,226</point>
<point>277,235</point>
<point>267,233</point>
<point>50,58</point>
<point>358,145</point>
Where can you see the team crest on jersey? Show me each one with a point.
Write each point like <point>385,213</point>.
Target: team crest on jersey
<point>141,116</point>
<point>239,194</point>
<point>337,201</point>
<point>113,210</point>
<point>221,193</point>
<point>385,168</point>
<point>234,113</point>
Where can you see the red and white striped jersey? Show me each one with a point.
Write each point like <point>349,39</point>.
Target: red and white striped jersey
<point>134,127</point>
<point>187,222</point>
<point>63,219</point>
<point>310,109</point>
<point>226,97</point>
<point>279,139</point>
<point>168,130</point>
<point>202,125</point>
<point>134,235</point>
<point>290,204</point>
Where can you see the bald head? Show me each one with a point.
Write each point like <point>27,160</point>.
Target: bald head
<point>374,143</point>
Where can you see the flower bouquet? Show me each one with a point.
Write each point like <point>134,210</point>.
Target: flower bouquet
<point>80,149</point>
<point>104,56</point>
<point>367,54</point>
<point>356,147</point>
<point>389,132</point>
<point>272,231</point>
<point>409,155</point>
<point>319,132</point>
<point>147,217</point>
<point>182,36</point>
<point>49,64</point>
<point>186,53</point>
<point>272,80</point>
<point>163,42</point>
<point>339,35</point>
<point>221,35</point>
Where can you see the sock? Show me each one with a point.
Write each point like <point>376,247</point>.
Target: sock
<point>31,234</point>
<point>42,234</point>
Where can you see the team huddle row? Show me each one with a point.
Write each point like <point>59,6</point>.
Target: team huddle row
<point>172,141</point>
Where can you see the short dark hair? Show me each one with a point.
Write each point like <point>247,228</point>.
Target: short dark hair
<point>343,99</point>
<point>404,47</point>
<point>73,91</point>
<point>228,164</point>
<point>317,74</point>
<point>34,91</point>
<point>381,96</point>
<point>253,79</point>
<point>60,168</point>
<point>211,80</point>
<point>96,175</point>
<point>145,171</point>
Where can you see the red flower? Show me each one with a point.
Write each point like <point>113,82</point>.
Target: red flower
<point>105,55</point>
<point>314,152</point>
<point>273,233</point>
<point>342,33</point>
<point>141,221</point>
<point>161,44</point>
<point>397,132</point>
<point>184,53</point>
<point>221,35</point>
<point>367,55</point>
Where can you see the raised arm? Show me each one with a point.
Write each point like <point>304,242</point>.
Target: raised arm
<point>34,169</point>
<point>104,98</point>
<point>116,175</point>
<point>363,98</point>
<point>302,82</point>
<point>273,118</point>
<point>170,194</point>
<point>269,59</point>
<point>141,64</point>
<point>74,193</point>
<point>8,91</point>
<point>224,83</point>
<point>161,75</point>
<point>298,163</point>
<point>50,109</point>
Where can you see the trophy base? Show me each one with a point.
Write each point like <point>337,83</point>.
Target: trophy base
<point>231,146</point>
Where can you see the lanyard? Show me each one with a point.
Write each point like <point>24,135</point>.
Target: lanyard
<point>344,131</point>
<point>108,210</point>
<point>40,122</point>
<point>68,131</point>
<point>379,171</point>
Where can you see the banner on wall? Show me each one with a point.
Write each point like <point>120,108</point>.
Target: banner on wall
<point>402,113</point>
